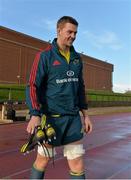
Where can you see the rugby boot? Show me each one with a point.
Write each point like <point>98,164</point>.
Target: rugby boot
<point>37,138</point>
<point>50,132</point>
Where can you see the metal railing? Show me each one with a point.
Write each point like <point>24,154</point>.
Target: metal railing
<point>108,99</point>
<point>95,99</point>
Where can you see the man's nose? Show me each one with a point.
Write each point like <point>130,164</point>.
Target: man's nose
<point>73,35</point>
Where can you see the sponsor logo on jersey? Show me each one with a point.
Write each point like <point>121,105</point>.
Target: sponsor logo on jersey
<point>70,73</point>
<point>66,80</point>
<point>76,61</point>
<point>56,63</point>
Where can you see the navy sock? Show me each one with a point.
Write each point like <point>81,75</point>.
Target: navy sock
<point>74,175</point>
<point>36,174</point>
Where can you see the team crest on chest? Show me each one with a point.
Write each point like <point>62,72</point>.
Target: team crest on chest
<point>76,61</point>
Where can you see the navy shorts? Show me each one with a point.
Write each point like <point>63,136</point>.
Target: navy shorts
<point>68,129</point>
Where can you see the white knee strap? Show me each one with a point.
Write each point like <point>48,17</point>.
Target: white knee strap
<point>43,151</point>
<point>73,151</point>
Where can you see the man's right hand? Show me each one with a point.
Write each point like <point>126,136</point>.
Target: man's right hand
<point>34,122</point>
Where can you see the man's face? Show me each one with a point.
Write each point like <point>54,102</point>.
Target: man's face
<point>67,34</point>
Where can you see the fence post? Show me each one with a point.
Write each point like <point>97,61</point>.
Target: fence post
<point>9,97</point>
<point>3,112</point>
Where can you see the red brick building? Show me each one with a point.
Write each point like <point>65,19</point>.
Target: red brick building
<point>17,52</point>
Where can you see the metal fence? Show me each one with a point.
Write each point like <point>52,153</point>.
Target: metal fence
<point>108,99</point>
<point>95,99</point>
<point>15,94</point>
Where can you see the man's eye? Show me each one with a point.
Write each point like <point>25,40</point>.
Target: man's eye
<point>69,32</point>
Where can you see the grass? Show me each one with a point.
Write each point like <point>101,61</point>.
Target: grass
<point>17,92</point>
<point>107,96</point>
<point>14,92</point>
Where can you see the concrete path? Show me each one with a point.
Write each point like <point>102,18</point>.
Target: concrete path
<point>108,150</point>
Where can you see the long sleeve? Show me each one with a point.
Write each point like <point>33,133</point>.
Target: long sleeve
<point>81,93</point>
<point>37,74</point>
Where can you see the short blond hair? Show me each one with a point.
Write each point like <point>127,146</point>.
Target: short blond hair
<point>66,19</point>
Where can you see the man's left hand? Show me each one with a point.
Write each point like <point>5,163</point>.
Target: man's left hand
<point>87,124</point>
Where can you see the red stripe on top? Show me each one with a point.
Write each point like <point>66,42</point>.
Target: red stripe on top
<point>48,48</point>
<point>33,96</point>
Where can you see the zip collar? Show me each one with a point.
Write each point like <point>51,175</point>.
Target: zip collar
<point>73,53</point>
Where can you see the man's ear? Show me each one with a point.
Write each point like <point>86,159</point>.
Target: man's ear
<point>58,31</point>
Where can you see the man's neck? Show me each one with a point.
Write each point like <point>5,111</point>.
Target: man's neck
<point>62,47</point>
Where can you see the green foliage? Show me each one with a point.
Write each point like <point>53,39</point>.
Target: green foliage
<point>12,86</point>
<point>93,95</point>
<point>17,92</point>
<point>13,92</point>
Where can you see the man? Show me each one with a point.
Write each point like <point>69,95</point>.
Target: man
<point>56,89</point>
